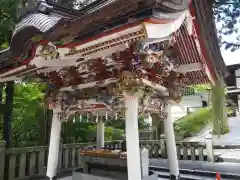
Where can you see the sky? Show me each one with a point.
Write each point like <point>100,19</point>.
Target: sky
<point>231,57</point>
<point>228,56</point>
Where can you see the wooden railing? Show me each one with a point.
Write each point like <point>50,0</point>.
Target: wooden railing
<point>22,163</point>
<point>194,151</point>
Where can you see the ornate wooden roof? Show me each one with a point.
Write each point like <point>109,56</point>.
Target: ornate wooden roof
<point>88,61</point>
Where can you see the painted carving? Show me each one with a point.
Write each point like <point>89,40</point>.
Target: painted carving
<point>155,56</point>
<point>128,83</point>
<point>129,60</point>
<point>64,116</point>
<point>49,51</point>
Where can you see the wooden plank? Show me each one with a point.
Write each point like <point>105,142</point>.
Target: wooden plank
<point>193,154</point>
<point>156,150</point>
<point>150,148</point>
<point>201,155</point>
<point>41,157</point>
<point>163,145</point>
<point>32,164</point>
<point>11,167</point>
<point>22,166</point>
<point>185,152</point>
<point>119,145</point>
<point>73,159</point>
<point>66,158</point>
<point>79,159</point>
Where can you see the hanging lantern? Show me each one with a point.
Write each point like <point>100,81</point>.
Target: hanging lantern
<point>87,117</point>
<point>106,116</point>
<point>97,116</point>
<point>74,118</point>
<point>80,118</point>
<point>148,119</point>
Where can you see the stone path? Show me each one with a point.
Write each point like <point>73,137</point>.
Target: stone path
<point>231,138</point>
<point>66,178</point>
<point>70,178</point>
<point>229,168</point>
<point>228,155</point>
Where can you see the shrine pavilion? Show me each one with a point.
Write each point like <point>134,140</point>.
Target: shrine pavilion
<point>111,59</point>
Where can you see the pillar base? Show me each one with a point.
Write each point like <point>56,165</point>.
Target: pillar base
<point>173,177</point>
<point>171,145</point>
<point>53,178</point>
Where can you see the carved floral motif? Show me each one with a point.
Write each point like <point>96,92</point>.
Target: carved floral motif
<point>49,51</point>
<point>152,63</point>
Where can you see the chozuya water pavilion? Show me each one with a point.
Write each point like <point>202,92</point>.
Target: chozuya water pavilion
<point>112,57</point>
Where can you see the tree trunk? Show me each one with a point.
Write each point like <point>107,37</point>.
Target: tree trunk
<point>7,130</point>
<point>220,120</point>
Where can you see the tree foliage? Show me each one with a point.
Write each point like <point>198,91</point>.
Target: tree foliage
<point>67,3</point>
<point>8,9</point>
<point>202,88</point>
<point>227,14</point>
<point>74,4</point>
<point>27,113</point>
<point>193,123</point>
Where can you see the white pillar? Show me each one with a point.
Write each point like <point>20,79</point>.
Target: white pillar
<point>209,147</point>
<point>145,162</point>
<point>54,146</point>
<point>132,138</point>
<point>100,135</point>
<point>171,146</point>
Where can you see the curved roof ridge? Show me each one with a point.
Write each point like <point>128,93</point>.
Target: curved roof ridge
<point>204,14</point>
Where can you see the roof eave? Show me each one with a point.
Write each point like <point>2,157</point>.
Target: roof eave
<point>206,31</point>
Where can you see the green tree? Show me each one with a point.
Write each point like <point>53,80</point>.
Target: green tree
<point>8,9</point>
<point>202,88</point>
<point>28,120</point>
<point>227,14</point>
<point>28,114</point>
<point>67,3</point>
